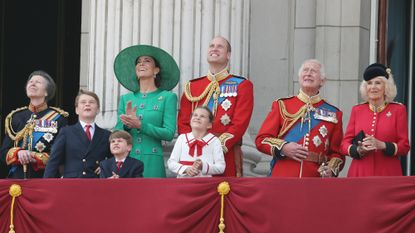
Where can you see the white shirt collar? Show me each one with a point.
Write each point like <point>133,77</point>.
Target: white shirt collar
<point>83,124</point>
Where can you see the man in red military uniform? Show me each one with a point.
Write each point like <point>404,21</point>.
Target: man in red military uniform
<point>229,97</point>
<point>303,133</point>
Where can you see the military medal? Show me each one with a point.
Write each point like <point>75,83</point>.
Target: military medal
<point>325,115</point>
<point>48,137</point>
<point>323,131</point>
<point>226,104</point>
<point>389,114</point>
<point>317,141</point>
<point>40,146</point>
<point>225,120</point>
<point>234,91</point>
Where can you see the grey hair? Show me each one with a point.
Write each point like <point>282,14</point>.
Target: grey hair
<point>390,89</point>
<point>322,71</point>
<point>50,84</point>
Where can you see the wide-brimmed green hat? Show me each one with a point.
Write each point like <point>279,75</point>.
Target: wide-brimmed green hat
<point>124,67</point>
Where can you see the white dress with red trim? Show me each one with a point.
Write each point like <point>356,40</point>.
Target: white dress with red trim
<point>188,149</point>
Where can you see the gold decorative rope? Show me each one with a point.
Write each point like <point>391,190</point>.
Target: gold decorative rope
<point>223,189</point>
<point>14,191</point>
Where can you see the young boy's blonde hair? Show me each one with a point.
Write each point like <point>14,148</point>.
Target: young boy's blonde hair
<point>121,134</point>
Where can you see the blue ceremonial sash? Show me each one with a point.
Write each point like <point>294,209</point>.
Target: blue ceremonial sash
<point>296,133</point>
<point>231,83</point>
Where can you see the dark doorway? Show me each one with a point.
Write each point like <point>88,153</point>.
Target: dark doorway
<point>39,35</point>
<point>397,57</point>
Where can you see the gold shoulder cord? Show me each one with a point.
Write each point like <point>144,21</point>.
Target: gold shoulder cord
<point>211,89</point>
<point>60,111</point>
<point>289,119</point>
<point>8,125</point>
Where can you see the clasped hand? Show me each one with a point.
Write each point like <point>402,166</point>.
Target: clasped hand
<point>195,169</point>
<point>130,118</point>
<point>369,144</point>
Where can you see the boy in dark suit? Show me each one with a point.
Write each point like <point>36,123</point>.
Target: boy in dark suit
<point>80,147</point>
<point>121,165</point>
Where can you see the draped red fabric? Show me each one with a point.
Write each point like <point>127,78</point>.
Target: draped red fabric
<point>193,205</point>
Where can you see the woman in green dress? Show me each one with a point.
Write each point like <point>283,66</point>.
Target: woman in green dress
<point>148,113</point>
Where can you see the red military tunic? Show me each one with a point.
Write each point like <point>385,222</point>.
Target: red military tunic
<point>388,124</point>
<point>289,121</point>
<point>232,111</point>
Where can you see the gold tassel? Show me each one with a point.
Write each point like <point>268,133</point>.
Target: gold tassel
<point>14,191</point>
<point>223,189</point>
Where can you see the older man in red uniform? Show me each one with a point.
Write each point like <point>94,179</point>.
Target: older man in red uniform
<point>303,133</point>
<point>229,97</point>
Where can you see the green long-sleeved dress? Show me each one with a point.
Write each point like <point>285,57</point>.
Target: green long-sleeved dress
<point>157,111</point>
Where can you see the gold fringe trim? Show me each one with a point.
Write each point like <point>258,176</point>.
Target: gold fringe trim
<point>223,189</point>
<point>14,191</point>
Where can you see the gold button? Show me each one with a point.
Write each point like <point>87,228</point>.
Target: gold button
<point>83,173</point>
<point>97,162</point>
<point>84,160</point>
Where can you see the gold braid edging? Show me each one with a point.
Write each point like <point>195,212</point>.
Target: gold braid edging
<point>8,124</point>
<point>60,111</point>
<point>274,143</point>
<point>223,138</point>
<point>44,157</point>
<point>10,155</point>
<point>289,119</point>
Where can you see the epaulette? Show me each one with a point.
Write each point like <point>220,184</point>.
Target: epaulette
<point>393,102</point>
<point>196,79</point>
<point>236,76</point>
<point>285,98</point>
<point>364,102</point>
<point>16,110</point>
<point>332,105</point>
<point>60,111</point>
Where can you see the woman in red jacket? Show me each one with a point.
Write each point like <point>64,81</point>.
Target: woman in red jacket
<point>377,133</point>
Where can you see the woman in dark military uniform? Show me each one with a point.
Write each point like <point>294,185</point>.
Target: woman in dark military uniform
<point>31,130</point>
